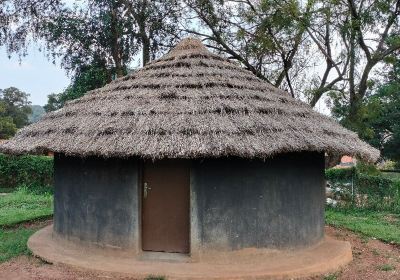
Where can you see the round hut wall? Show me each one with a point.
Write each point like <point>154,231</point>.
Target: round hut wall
<point>234,203</point>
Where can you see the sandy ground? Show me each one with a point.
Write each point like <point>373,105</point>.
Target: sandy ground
<point>373,260</point>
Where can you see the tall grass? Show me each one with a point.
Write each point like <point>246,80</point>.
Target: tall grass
<point>24,205</point>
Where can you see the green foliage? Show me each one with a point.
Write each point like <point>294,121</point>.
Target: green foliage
<point>391,175</point>
<point>386,267</point>
<point>17,207</point>
<point>24,205</point>
<point>33,172</point>
<point>330,277</point>
<point>13,242</point>
<point>14,111</point>
<point>86,78</point>
<point>388,165</point>
<point>377,115</point>
<point>151,277</point>
<point>368,169</point>
<point>21,20</point>
<point>16,105</point>
<point>381,225</point>
<point>7,126</point>
<point>339,174</point>
<point>365,187</point>
<point>99,39</point>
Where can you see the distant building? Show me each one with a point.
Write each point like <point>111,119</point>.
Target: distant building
<point>346,162</point>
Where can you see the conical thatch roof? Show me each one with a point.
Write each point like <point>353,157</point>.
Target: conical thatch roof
<point>188,104</point>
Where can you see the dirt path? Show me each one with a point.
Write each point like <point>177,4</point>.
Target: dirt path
<point>373,260</point>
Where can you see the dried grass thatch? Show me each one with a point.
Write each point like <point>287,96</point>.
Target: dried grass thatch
<point>188,104</point>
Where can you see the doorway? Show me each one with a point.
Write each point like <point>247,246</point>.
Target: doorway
<point>166,206</point>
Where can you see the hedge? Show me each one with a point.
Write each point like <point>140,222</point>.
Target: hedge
<point>27,171</point>
<point>366,190</point>
<point>340,174</point>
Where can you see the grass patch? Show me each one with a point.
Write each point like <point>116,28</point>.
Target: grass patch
<point>13,242</point>
<point>330,277</point>
<point>22,205</point>
<point>381,225</point>
<point>386,267</point>
<point>17,207</point>
<point>151,277</point>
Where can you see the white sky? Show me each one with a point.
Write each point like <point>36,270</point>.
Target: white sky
<point>34,74</point>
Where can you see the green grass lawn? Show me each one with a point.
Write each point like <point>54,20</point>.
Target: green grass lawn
<point>381,225</point>
<point>18,207</point>
<point>13,242</point>
<point>21,206</point>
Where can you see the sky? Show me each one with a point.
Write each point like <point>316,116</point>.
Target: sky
<point>34,74</point>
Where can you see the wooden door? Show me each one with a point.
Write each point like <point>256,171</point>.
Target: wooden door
<point>165,206</point>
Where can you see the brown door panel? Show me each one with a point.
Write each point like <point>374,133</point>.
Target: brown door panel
<point>166,206</point>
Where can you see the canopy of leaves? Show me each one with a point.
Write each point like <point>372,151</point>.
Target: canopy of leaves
<point>88,78</point>
<point>21,21</point>
<point>378,116</point>
<point>14,111</point>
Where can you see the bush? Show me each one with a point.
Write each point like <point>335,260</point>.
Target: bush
<point>367,168</point>
<point>365,187</point>
<point>340,174</point>
<point>32,172</point>
<point>382,193</point>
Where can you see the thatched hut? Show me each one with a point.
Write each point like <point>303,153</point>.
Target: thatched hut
<point>191,152</point>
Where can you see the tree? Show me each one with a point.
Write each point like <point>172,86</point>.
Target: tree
<point>379,115</point>
<point>16,105</point>
<point>265,36</point>
<point>53,103</point>
<point>21,21</point>
<point>86,78</point>
<point>365,34</point>
<point>97,42</point>
<point>7,126</point>
<point>284,42</point>
<point>156,23</point>
<point>14,111</point>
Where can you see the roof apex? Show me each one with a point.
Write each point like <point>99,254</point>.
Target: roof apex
<point>188,45</point>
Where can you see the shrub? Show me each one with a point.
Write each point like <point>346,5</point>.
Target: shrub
<point>367,168</point>
<point>28,171</point>
<point>365,187</point>
<point>382,193</point>
<point>340,175</point>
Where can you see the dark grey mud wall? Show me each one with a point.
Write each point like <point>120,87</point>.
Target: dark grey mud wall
<point>240,203</point>
<point>95,200</point>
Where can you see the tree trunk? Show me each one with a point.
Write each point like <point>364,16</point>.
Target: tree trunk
<point>146,48</point>
<point>115,47</point>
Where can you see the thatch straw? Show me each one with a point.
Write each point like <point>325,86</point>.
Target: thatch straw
<point>188,104</point>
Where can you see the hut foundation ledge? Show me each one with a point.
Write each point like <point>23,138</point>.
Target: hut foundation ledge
<point>327,256</point>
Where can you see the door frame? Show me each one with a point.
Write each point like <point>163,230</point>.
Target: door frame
<point>140,210</point>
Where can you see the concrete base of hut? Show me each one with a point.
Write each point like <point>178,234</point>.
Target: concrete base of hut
<point>327,256</point>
